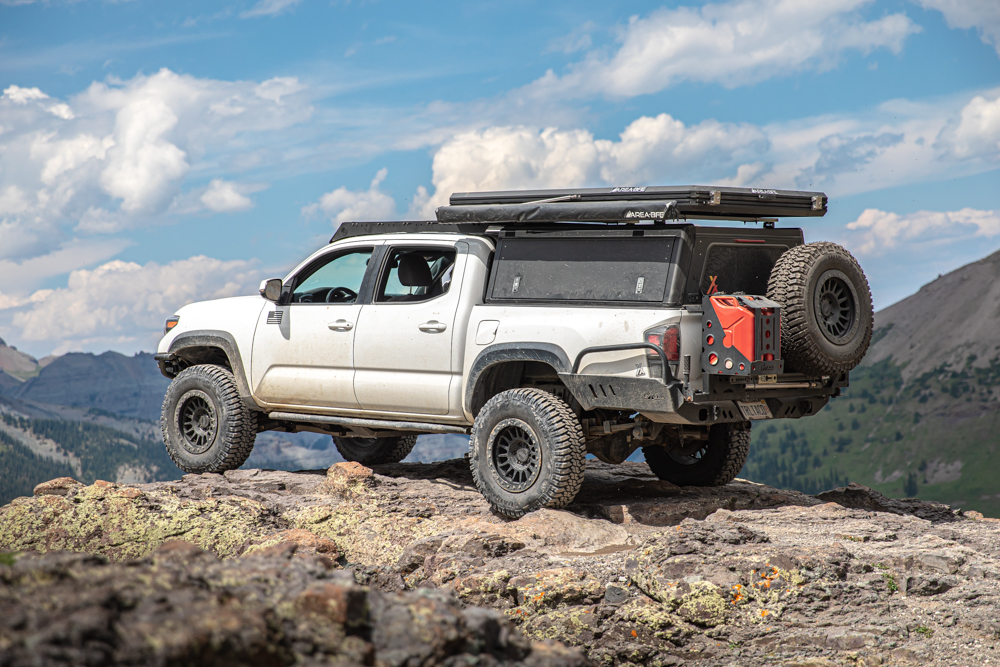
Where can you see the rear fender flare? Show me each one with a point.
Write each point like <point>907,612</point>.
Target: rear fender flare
<point>546,353</point>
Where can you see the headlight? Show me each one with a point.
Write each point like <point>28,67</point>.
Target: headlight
<point>170,324</point>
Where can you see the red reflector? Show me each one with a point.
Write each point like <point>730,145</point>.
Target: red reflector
<point>671,344</point>
<point>654,339</point>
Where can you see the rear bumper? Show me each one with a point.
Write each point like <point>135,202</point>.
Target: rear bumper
<point>791,397</point>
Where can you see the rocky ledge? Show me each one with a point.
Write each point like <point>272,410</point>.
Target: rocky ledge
<point>405,565</point>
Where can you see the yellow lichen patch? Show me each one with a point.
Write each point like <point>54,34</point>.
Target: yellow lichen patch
<point>368,532</point>
<point>765,595</point>
<point>571,625</point>
<point>120,524</point>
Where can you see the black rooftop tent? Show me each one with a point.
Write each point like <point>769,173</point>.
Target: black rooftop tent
<point>631,204</point>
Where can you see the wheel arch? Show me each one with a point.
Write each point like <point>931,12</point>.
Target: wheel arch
<point>500,367</point>
<point>207,347</point>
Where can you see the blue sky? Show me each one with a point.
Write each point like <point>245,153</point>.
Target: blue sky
<point>153,154</point>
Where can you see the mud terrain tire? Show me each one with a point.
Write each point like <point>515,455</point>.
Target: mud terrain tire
<point>374,451</point>
<point>826,314</point>
<point>527,452</point>
<point>205,425</point>
<point>716,464</point>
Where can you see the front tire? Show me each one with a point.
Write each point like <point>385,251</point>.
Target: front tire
<point>715,464</point>
<point>527,452</point>
<point>375,451</point>
<point>205,425</point>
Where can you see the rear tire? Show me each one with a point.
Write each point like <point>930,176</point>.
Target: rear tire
<point>205,425</point>
<point>527,452</point>
<point>375,451</point>
<point>826,309</point>
<point>716,464</point>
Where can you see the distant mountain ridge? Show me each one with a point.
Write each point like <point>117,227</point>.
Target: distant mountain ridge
<point>945,322</point>
<point>16,364</point>
<point>123,385</point>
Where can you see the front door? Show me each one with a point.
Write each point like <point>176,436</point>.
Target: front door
<point>303,349</point>
<point>403,348</point>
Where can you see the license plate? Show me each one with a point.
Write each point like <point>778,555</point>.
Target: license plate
<point>754,409</point>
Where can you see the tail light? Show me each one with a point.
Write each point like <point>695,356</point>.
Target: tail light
<point>668,339</point>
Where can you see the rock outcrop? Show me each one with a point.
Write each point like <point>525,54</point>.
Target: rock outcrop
<point>635,571</point>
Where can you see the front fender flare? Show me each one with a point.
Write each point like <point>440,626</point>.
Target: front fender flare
<point>224,341</point>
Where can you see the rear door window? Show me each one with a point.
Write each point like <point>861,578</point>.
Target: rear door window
<point>739,268</point>
<point>582,269</point>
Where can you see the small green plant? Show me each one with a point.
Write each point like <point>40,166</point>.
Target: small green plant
<point>7,558</point>
<point>924,630</point>
<point>890,581</point>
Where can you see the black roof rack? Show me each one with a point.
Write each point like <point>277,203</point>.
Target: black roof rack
<point>631,204</point>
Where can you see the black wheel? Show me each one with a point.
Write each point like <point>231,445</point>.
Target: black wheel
<point>373,451</point>
<point>826,309</point>
<point>527,452</point>
<point>205,425</point>
<point>715,463</point>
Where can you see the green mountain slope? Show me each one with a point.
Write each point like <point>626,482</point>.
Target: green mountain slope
<point>35,450</point>
<point>922,414</point>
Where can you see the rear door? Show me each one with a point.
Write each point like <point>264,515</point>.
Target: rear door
<point>403,345</point>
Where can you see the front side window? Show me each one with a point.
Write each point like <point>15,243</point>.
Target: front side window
<point>337,280</point>
<point>416,274</point>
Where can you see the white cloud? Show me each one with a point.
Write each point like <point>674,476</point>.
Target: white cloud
<point>898,143</point>
<point>13,201</point>
<point>118,155</point>
<point>878,232</point>
<point>278,87</point>
<point>342,205</point>
<point>226,197</point>
<point>22,96</point>
<point>19,278</point>
<point>976,132</point>
<point>61,110</point>
<point>124,299</point>
<point>983,15</point>
<point>650,149</point>
<point>268,8</point>
<point>734,43</point>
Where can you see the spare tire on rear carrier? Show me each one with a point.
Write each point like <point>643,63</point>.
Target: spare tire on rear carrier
<point>826,309</point>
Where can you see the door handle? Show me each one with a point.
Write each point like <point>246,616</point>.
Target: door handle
<point>433,326</point>
<point>340,325</point>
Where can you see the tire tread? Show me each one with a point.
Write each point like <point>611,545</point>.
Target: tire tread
<point>569,451</point>
<point>240,431</point>
<point>788,286</point>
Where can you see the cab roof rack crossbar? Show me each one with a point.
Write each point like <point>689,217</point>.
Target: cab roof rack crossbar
<point>631,204</point>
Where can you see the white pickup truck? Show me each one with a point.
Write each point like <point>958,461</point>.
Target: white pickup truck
<point>547,324</point>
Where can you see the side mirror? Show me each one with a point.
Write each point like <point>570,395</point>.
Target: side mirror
<point>271,289</point>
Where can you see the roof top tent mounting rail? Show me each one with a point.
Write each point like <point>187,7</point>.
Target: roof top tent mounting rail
<point>632,204</point>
